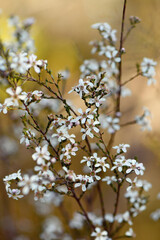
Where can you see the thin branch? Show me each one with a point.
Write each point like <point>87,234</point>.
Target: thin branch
<point>128,123</point>
<point>128,32</point>
<point>111,140</point>
<point>40,130</point>
<point>120,51</point>
<point>83,210</point>
<point>116,206</point>
<point>102,204</point>
<point>132,78</point>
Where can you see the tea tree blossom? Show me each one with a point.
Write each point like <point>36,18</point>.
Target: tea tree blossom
<point>89,127</point>
<point>148,70</point>
<point>144,120</point>
<point>14,193</point>
<point>15,96</point>
<point>133,165</point>
<point>110,123</point>
<point>19,62</point>
<point>36,64</point>
<point>101,163</point>
<point>106,31</point>
<point>8,179</point>
<point>28,183</point>
<point>109,180</point>
<point>156,215</point>
<point>41,154</point>
<point>121,148</point>
<point>130,233</point>
<point>4,107</point>
<point>99,235</point>
<point>84,180</point>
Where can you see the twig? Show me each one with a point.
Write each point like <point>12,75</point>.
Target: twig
<point>83,210</point>
<point>132,78</point>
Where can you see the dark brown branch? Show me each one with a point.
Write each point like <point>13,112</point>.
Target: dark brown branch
<point>120,51</point>
<point>40,130</point>
<point>83,210</point>
<point>102,204</point>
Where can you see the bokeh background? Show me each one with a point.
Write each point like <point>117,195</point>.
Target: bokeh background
<point>62,32</point>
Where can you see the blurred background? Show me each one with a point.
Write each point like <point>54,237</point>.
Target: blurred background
<point>62,33</point>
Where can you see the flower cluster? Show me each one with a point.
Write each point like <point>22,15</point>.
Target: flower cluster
<point>71,136</point>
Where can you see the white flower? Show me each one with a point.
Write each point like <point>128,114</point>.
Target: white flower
<point>62,134</point>
<point>110,123</point>
<point>109,217</point>
<point>81,88</point>
<point>97,100</point>
<point>99,234</point>
<point>106,31</point>
<point>84,180</point>
<point>89,127</point>
<point>143,120</point>
<point>14,193</point>
<point>132,195</point>
<point>137,208</point>
<point>70,149</point>
<point>15,96</point>
<point>4,107</point>
<point>28,183</point>
<point>101,163</point>
<point>130,233</point>
<point>41,154</point>
<point>8,179</point>
<point>145,184</point>
<point>19,62</point>
<point>119,163</point>
<point>85,115</point>
<point>133,165</point>
<point>36,64</point>
<point>88,160</point>
<point>109,180</point>
<point>121,148</point>
<point>111,53</point>
<point>156,215</point>
<point>52,229</point>
<point>70,174</point>
<point>148,70</point>
<point>136,183</point>
<point>127,217</point>
<point>77,221</point>
<point>44,170</point>
<point>94,176</point>
<point>88,67</point>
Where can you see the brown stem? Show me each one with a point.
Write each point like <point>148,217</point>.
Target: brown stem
<point>40,130</point>
<point>111,141</point>
<point>132,78</point>
<point>116,206</point>
<point>128,123</point>
<point>83,210</point>
<point>102,204</point>
<point>54,93</point>
<point>128,32</point>
<point>120,72</point>
<point>120,51</point>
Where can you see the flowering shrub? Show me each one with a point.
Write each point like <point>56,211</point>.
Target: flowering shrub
<point>68,133</point>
